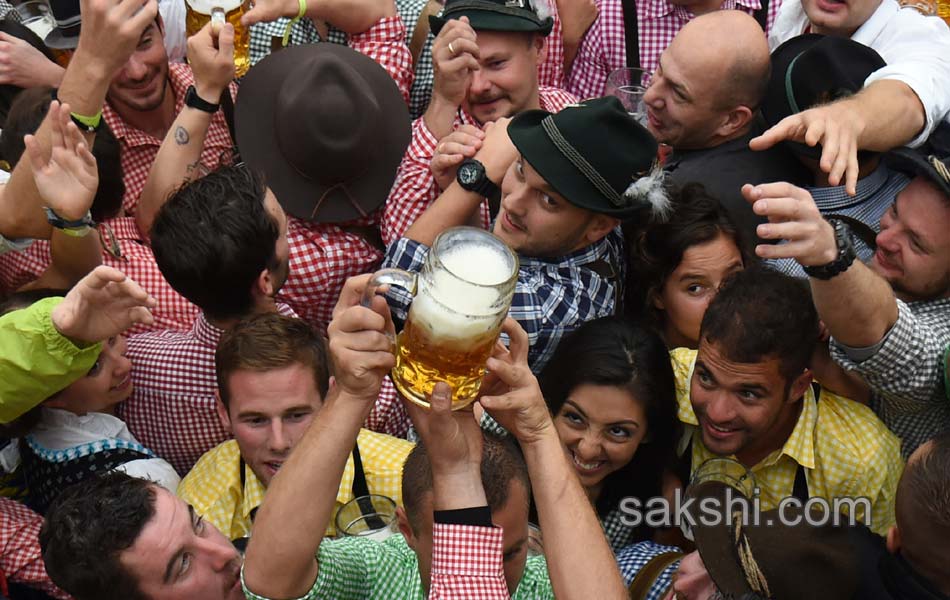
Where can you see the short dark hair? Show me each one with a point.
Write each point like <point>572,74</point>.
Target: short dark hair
<point>213,238</point>
<point>611,351</point>
<point>86,529</point>
<point>502,463</point>
<point>760,313</point>
<point>656,249</point>
<point>27,113</point>
<point>271,341</point>
<point>923,511</point>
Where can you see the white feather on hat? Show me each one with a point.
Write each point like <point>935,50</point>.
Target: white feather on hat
<point>651,191</point>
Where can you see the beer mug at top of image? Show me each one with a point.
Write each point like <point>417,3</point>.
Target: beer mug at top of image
<point>460,299</point>
<point>199,12</point>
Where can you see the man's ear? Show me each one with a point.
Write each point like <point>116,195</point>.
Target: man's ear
<point>893,539</point>
<point>599,227</point>
<point>734,120</point>
<point>405,528</point>
<point>266,285</point>
<point>800,385</point>
<point>222,411</point>
<point>540,44</point>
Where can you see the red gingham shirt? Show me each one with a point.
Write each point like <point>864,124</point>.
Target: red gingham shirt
<point>551,71</point>
<point>21,560</point>
<point>603,48</point>
<point>139,148</point>
<point>415,187</point>
<point>172,406</point>
<point>324,255</point>
<point>134,258</point>
<point>467,563</point>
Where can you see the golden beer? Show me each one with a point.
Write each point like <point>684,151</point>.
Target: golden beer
<point>200,12</point>
<point>462,296</point>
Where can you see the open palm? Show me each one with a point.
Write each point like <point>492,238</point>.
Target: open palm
<point>68,181</point>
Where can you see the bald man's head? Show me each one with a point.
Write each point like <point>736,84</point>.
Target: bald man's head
<point>710,80</point>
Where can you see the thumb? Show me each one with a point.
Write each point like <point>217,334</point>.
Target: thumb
<point>441,400</point>
<point>226,40</point>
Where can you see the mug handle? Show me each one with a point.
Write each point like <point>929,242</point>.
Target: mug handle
<point>396,277</point>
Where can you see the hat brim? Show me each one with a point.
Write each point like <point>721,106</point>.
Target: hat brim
<point>256,109</point>
<point>913,163</point>
<point>483,20</point>
<point>716,546</point>
<point>539,151</point>
<point>56,40</point>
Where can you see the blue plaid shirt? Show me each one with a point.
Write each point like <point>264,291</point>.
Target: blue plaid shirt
<point>552,296</point>
<point>633,558</point>
<point>875,195</point>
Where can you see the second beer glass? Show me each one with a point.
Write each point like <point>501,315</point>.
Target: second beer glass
<point>461,297</point>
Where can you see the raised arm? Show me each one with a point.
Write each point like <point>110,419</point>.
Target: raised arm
<point>281,557</point>
<point>580,562</point>
<point>179,159</point>
<point>857,306</point>
<point>110,32</point>
<point>884,115</point>
<point>456,206</point>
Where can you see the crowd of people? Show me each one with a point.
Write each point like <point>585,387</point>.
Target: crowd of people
<point>735,294</point>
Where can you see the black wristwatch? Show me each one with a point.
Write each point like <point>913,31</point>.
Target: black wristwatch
<point>193,100</point>
<point>846,253</point>
<point>472,177</point>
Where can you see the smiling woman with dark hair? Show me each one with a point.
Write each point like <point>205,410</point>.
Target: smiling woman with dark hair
<point>610,390</point>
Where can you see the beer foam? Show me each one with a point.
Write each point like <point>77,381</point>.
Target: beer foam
<point>458,302</point>
<point>478,264</point>
<point>206,6</point>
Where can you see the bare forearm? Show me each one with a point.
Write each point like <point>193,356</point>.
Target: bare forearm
<point>72,258</point>
<point>439,117</point>
<point>857,306</point>
<point>579,559</point>
<point>453,208</point>
<point>452,491</point>
<point>893,115</point>
<point>281,557</point>
<point>178,160</point>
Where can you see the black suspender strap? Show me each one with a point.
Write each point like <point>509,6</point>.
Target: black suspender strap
<point>800,489</point>
<point>631,33</point>
<point>227,107</point>
<point>361,492</point>
<point>762,15</point>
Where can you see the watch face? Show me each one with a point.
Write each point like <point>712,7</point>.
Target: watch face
<point>468,174</point>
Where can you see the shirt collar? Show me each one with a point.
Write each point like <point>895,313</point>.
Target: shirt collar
<point>660,8</point>
<point>836,197</point>
<point>872,28</point>
<point>601,249</point>
<point>253,491</point>
<point>206,333</point>
<point>123,228</point>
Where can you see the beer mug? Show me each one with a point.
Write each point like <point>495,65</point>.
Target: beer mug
<point>199,12</point>
<point>372,516</point>
<point>460,299</point>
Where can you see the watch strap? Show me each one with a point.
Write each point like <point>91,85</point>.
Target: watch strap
<point>193,100</point>
<point>483,186</point>
<point>846,254</point>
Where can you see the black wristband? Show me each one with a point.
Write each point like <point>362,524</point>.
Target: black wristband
<point>845,258</point>
<point>193,100</point>
<point>478,516</point>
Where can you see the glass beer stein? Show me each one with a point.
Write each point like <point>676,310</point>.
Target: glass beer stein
<point>460,299</point>
<point>199,12</point>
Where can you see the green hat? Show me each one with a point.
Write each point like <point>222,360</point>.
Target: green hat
<point>595,155</point>
<point>495,15</point>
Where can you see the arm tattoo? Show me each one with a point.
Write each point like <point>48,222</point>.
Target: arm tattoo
<point>181,136</point>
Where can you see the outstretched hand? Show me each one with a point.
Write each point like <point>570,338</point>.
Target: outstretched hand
<point>68,181</point>
<point>794,217</point>
<point>102,305</point>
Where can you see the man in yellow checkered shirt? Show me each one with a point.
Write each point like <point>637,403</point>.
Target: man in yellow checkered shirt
<point>273,374</point>
<point>747,393</point>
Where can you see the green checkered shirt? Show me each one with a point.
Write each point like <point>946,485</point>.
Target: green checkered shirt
<point>356,568</point>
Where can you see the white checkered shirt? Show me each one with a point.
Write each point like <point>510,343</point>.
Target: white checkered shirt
<point>172,406</point>
<point>906,372</point>
<point>415,188</point>
<point>125,249</point>
<point>604,48</point>
<point>139,148</point>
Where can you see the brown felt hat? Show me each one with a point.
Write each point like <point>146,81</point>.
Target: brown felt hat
<point>328,128</point>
